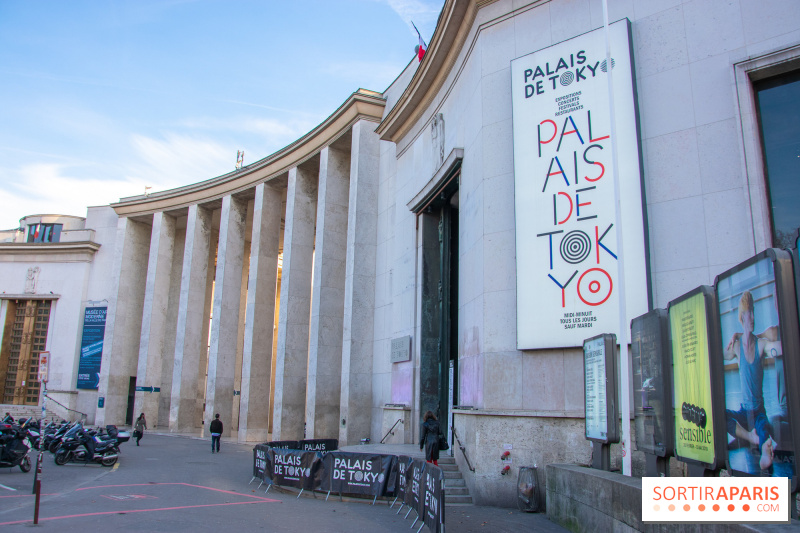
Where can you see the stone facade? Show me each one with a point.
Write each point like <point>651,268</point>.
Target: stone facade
<point>272,294</point>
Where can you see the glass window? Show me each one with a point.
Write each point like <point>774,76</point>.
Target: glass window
<point>778,104</point>
<point>44,232</point>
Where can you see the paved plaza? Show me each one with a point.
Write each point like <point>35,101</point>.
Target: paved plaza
<point>174,483</point>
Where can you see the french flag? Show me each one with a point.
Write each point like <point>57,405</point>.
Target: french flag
<point>421,47</point>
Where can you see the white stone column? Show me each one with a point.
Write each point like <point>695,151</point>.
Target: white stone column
<point>323,391</point>
<point>254,404</point>
<point>154,318</point>
<point>291,362</point>
<point>124,320</point>
<point>359,286</point>
<point>225,323</point>
<point>190,344</point>
<point>168,353</point>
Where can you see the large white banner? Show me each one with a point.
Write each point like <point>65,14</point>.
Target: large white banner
<point>567,248</point>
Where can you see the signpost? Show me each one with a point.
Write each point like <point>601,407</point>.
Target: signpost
<point>44,363</point>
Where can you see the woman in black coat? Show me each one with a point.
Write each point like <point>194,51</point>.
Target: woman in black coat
<point>430,438</point>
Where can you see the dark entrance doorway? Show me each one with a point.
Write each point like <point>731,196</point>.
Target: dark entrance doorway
<point>131,397</point>
<point>439,320</point>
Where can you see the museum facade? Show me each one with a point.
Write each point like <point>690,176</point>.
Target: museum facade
<point>445,245</point>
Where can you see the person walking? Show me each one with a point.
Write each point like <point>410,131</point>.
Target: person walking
<point>216,432</point>
<point>138,429</point>
<point>430,438</point>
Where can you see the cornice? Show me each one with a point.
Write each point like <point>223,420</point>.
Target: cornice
<point>449,38</point>
<point>48,252</point>
<point>361,105</point>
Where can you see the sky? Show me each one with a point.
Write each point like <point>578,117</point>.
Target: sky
<point>100,99</point>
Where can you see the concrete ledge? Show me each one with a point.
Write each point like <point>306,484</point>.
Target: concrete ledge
<point>583,499</point>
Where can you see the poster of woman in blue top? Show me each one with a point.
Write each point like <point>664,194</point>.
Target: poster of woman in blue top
<point>759,439</point>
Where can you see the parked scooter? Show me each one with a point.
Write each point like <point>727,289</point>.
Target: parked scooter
<point>13,448</point>
<point>82,447</point>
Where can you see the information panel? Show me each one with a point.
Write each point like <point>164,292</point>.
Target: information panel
<point>651,358</point>
<point>94,328</point>
<point>757,338</point>
<point>600,386</point>
<point>567,250</point>
<point>692,341</point>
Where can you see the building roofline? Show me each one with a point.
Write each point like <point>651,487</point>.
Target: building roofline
<point>361,105</point>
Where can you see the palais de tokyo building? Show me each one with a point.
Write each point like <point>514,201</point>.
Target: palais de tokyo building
<point>445,245</point>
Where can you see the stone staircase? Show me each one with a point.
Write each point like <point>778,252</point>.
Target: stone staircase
<point>455,487</point>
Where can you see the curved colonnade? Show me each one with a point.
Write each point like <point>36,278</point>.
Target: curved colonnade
<point>251,294</point>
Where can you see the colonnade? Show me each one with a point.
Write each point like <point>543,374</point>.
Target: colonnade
<point>255,303</point>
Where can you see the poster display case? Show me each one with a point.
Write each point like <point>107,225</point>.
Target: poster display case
<point>696,386</point>
<point>759,335</point>
<point>601,388</point>
<point>651,359</point>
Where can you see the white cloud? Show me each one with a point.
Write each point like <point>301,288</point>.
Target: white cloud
<point>178,160</point>
<point>51,188</point>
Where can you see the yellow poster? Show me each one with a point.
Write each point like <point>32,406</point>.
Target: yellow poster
<point>694,435</point>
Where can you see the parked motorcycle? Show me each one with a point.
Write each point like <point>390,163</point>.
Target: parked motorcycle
<point>83,447</point>
<point>13,449</point>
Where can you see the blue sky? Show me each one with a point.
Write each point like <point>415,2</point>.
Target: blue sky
<point>102,98</point>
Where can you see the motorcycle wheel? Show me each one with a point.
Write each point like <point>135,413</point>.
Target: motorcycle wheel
<point>25,465</point>
<point>53,448</point>
<point>61,458</point>
<point>110,461</point>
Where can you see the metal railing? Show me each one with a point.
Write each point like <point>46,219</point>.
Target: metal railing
<point>83,415</point>
<point>462,448</point>
<point>391,431</point>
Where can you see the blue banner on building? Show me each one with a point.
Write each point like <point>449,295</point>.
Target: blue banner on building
<point>94,328</point>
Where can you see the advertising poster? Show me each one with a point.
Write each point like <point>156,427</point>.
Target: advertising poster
<point>413,492</point>
<point>566,243</point>
<point>94,327</point>
<point>652,382</point>
<point>261,461</point>
<point>693,413</point>
<point>434,498</point>
<point>594,357</point>
<point>322,446</point>
<point>300,470</point>
<point>403,467</point>
<point>359,473</point>
<point>757,417</point>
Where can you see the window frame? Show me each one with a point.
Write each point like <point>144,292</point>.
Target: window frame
<point>746,73</point>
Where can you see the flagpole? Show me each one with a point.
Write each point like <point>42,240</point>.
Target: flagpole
<point>622,337</point>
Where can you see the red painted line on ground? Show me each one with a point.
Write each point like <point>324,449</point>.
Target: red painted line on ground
<point>260,498</point>
<point>133,511</point>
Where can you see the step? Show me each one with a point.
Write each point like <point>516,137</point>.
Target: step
<point>455,483</point>
<point>458,491</point>
<point>455,500</point>
<point>452,475</point>
<point>448,468</point>
<point>447,460</point>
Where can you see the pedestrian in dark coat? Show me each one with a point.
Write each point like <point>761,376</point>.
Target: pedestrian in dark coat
<point>430,438</point>
<point>216,432</point>
<point>138,429</point>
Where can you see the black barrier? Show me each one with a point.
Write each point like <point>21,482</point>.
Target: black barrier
<point>413,493</point>
<point>359,473</point>
<point>260,460</point>
<point>292,468</point>
<point>433,515</point>
<point>284,444</point>
<point>319,445</point>
<point>403,466</point>
<point>308,445</point>
<point>418,484</point>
